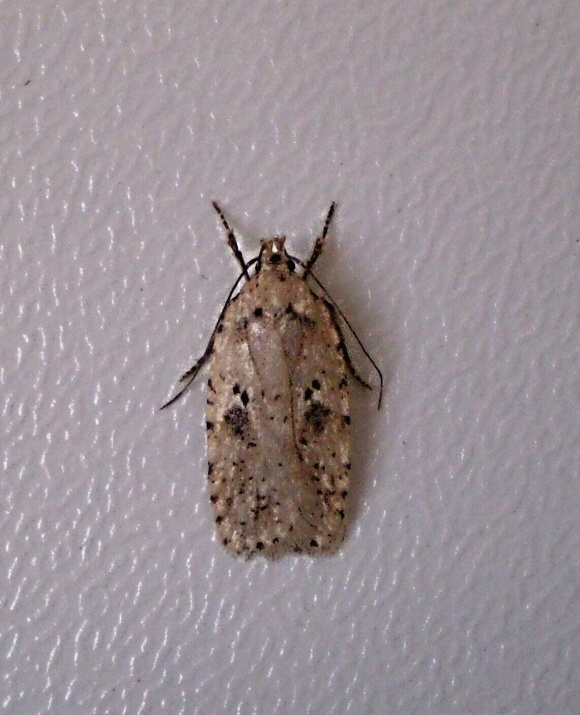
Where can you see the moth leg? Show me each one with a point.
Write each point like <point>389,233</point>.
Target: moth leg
<point>343,349</point>
<point>335,311</point>
<point>191,374</point>
<point>232,243</point>
<point>351,367</point>
<point>319,241</point>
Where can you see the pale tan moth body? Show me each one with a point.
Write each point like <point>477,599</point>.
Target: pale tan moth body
<point>278,425</point>
<point>278,432</point>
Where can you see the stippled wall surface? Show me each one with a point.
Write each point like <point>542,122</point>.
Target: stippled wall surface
<point>447,132</point>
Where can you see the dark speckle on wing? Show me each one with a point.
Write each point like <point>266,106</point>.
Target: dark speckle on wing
<point>317,415</point>
<point>237,419</point>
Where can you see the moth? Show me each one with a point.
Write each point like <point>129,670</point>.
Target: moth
<point>278,423</point>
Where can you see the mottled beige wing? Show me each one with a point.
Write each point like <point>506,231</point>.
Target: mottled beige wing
<point>278,425</point>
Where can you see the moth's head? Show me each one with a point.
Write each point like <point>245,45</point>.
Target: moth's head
<point>273,256</point>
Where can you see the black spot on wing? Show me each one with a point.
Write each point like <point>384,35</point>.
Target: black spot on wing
<point>303,319</point>
<point>309,391</point>
<point>317,416</point>
<point>237,419</point>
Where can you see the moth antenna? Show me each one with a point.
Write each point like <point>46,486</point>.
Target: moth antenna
<point>232,242</point>
<point>319,242</point>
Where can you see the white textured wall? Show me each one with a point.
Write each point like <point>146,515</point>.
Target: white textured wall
<point>448,133</point>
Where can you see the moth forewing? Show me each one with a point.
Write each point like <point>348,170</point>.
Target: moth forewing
<point>277,420</point>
